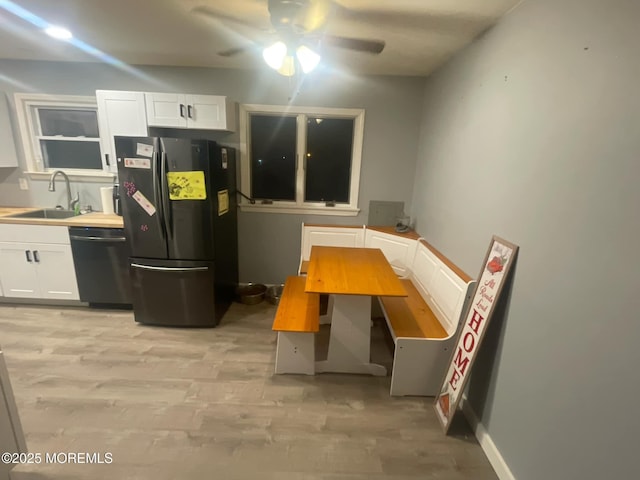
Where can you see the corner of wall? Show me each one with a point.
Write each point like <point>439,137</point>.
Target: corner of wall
<point>486,443</point>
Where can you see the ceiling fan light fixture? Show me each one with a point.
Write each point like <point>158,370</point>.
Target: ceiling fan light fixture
<point>275,55</point>
<point>308,58</point>
<point>288,68</point>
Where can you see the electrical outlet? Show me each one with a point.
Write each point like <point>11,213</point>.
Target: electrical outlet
<point>24,185</point>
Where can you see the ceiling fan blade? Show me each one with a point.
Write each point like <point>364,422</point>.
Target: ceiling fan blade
<point>300,16</point>
<point>431,19</point>
<point>232,52</point>
<point>221,16</point>
<point>357,44</point>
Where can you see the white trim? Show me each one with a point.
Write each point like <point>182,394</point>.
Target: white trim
<point>77,175</point>
<point>24,102</point>
<point>486,443</point>
<point>70,139</point>
<point>301,161</point>
<point>301,210</point>
<point>299,206</point>
<point>280,109</point>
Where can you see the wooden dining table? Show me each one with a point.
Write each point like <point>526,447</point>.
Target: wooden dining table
<point>352,276</point>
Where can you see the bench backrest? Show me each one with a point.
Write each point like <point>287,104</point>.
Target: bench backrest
<point>399,250</point>
<point>330,236</point>
<point>446,289</point>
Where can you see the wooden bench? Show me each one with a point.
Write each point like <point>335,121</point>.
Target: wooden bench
<point>297,320</point>
<point>424,324</point>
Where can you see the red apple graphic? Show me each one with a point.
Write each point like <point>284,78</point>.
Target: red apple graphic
<point>496,264</point>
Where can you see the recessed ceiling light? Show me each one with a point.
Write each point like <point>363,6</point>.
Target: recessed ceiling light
<point>58,32</point>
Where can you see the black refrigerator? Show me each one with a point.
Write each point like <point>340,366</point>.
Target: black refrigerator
<point>179,209</point>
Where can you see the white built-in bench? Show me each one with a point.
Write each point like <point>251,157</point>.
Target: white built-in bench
<point>297,320</point>
<point>424,324</point>
<point>327,236</point>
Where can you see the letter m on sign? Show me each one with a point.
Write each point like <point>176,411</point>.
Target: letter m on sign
<point>461,363</point>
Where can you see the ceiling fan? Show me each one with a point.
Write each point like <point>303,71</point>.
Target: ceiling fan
<point>298,28</point>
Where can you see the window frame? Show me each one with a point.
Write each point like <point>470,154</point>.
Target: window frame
<point>299,206</point>
<point>26,113</point>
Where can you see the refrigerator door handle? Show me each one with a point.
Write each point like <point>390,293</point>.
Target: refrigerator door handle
<point>166,206</point>
<point>170,269</point>
<point>159,192</point>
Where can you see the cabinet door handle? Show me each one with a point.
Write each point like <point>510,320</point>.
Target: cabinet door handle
<point>36,256</point>
<point>28,254</point>
<point>190,111</point>
<point>106,159</point>
<point>182,110</point>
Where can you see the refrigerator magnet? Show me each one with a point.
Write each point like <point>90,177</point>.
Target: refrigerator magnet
<point>223,202</point>
<point>146,205</point>
<point>144,150</point>
<point>187,185</point>
<point>137,163</point>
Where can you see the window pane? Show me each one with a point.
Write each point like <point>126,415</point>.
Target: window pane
<point>273,157</point>
<point>70,154</point>
<point>68,123</point>
<point>328,170</point>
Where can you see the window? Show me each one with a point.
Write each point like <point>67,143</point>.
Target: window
<point>60,133</point>
<point>301,159</point>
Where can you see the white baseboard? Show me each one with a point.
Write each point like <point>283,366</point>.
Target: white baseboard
<point>486,443</point>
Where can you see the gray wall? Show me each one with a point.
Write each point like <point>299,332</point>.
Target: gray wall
<point>269,243</point>
<point>533,133</point>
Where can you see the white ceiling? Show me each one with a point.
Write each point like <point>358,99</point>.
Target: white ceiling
<point>419,34</point>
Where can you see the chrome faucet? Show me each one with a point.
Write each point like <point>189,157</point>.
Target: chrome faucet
<point>71,202</point>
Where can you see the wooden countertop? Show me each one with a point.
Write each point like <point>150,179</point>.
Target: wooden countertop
<point>94,219</point>
<point>411,234</point>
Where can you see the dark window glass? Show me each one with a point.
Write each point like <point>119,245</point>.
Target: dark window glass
<point>273,157</point>
<point>328,162</point>
<point>70,154</point>
<point>68,123</point>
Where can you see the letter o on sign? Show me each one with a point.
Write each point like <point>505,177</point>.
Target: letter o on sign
<point>468,342</point>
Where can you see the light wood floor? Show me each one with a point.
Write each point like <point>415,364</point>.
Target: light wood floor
<point>204,404</point>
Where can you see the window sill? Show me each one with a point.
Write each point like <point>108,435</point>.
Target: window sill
<point>99,177</point>
<point>301,210</point>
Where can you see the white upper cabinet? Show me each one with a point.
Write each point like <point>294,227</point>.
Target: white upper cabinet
<point>119,113</point>
<point>166,109</point>
<point>177,110</point>
<point>8,157</point>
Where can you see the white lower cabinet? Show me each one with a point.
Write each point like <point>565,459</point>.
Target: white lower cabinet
<point>37,270</point>
<point>18,275</point>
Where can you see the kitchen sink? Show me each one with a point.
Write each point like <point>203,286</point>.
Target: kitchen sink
<point>45,213</point>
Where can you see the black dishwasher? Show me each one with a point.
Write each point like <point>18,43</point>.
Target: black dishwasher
<point>101,259</point>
